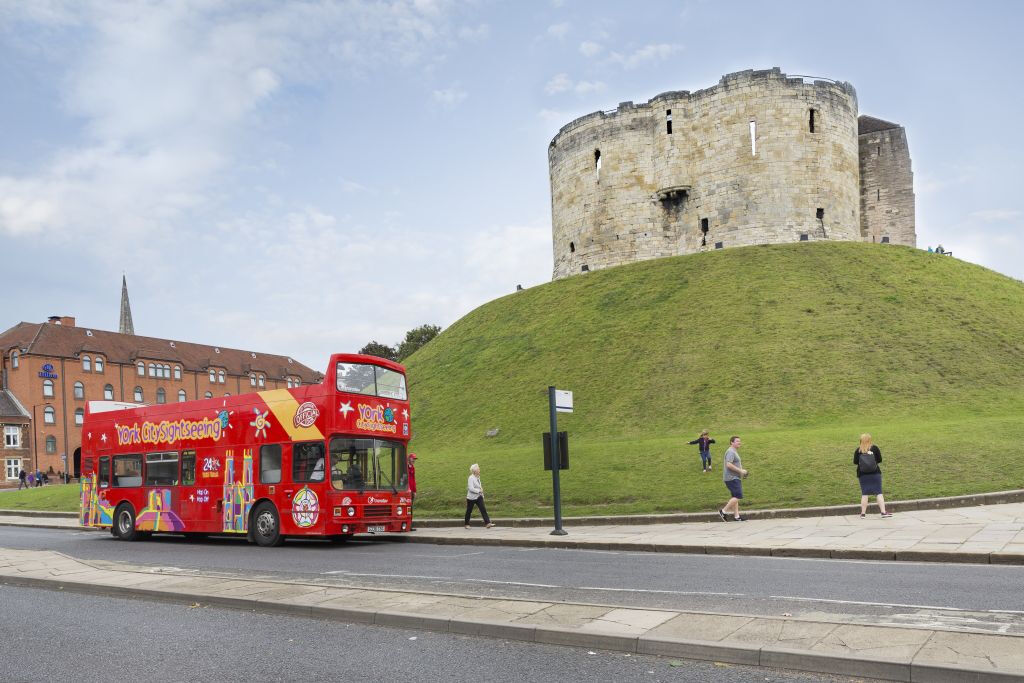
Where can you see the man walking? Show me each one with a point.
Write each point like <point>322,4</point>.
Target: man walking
<point>22,479</point>
<point>733,474</point>
<point>412,483</point>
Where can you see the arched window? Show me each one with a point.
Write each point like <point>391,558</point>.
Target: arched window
<point>213,376</point>
<point>15,359</point>
<point>98,364</point>
<point>138,394</point>
<point>47,388</point>
<point>86,364</point>
<point>49,416</point>
<point>79,416</point>
<point>220,376</point>
<point>288,380</point>
<point>208,394</point>
<point>79,391</point>
<point>108,393</point>
<point>181,396</point>
<point>177,372</point>
<point>51,444</point>
<point>167,372</point>
<point>161,395</point>
<point>263,381</point>
<point>142,369</point>
<point>152,369</point>
<point>252,380</point>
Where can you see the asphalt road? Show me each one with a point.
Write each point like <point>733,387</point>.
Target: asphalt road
<point>49,636</point>
<point>964,597</point>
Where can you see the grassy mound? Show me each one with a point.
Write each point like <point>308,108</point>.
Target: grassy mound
<point>797,348</point>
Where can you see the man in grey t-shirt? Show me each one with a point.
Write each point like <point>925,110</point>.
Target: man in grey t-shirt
<point>732,475</point>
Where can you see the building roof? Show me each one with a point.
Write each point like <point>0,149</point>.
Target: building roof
<point>869,124</point>
<point>68,341</point>
<point>10,407</point>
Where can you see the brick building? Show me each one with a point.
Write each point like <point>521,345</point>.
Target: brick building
<point>49,370</point>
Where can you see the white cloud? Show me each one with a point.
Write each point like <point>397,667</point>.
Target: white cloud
<point>996,215</point>
<point>647,54</point>
<point>589,48</point>
<point>585,87</point>
<point>450,97</point>
<point>475,34</point>
<point>562,83</point>
<point>558,30</point>
<point>352,186</point>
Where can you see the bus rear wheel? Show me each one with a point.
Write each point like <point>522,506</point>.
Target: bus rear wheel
<point>124,523</point>
<point>266,525</point>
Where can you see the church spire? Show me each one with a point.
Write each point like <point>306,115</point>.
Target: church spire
<point>126,309</point>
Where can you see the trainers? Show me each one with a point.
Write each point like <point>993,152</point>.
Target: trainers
<point>887,515</point>
<point>490,525</point>
<point>863,516</point>
<point>725,517</point>
<point>741,518</point>
<point>467,526</point>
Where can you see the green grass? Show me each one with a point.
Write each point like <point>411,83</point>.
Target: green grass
<point>55,497</point>
<point>797,348</point>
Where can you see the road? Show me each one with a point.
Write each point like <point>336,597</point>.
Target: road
<point>964,597</point>
<point>48,636</point>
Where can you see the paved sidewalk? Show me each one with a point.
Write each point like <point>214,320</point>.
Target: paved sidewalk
<point>893,653</point>
<point>979,534</point>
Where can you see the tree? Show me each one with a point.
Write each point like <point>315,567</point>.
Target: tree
<point>375,348</point>
<point>415,339</point>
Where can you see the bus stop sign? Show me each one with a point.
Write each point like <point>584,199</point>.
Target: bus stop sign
<point>563,401</point>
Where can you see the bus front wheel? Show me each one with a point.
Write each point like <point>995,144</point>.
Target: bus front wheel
<point>266,525</point>
<point>124,523</point>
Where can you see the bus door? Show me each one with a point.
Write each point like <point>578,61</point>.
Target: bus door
<point>190,498</point>
<point>302,512</point>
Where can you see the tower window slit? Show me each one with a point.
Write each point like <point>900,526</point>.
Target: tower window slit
<point>811,121</point>
<point>753,138</point>
<point>597,162</point>
<point>668,121</point>
<point>572,247</point>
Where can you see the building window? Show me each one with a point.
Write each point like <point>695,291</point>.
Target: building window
<point>804,237</point>
<point>51,444</point>
<point>181,396</point>
<point>142,369</point>
<point>108,393</point>
<point>152,369</point>
<point>79,391</point>
<point>252,380</point>
<point>49,416</point>
<point>753,138</point>
<point>12,436</point>
<point>167,372</point>
<point>597,163</point>
<point>13,467</point>
<point>263,381</point>
<point>220,376</point>
<point>138,394</point>
<point>572,247</point>
<point>86,364</point>
<point>810,120</point>
<point>208,394</point>
<point>177,372</point>
<point>79,417</point>
<point>289,381</point>
<point>668,121</point>
<point>15,359</point>
<point>161,396</point>
<point>98,364</point>
<point>213,376</point>
<point>47,388</point>
<point>885,239</point>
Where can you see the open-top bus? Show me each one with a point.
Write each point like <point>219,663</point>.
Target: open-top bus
<point>317,460</point>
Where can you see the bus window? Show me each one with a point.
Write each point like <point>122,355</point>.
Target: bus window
<point>308,462</point>
<point>349,460</point>
<point>162,469</point>
<point>188,468</point>
<point>270,464</point>
<point>390,384</point>
<point>87,464</point>
<point>127,470</point>
<point>372,380</point>
<point>104,475</point>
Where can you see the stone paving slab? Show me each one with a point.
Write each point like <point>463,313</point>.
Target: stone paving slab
<point>891,652</point>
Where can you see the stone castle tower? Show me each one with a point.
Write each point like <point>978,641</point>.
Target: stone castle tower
<point>760,158</point>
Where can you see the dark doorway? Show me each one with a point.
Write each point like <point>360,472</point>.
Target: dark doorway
<point>78,463</point>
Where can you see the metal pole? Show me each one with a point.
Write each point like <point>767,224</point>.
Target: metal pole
<point>556,462</point>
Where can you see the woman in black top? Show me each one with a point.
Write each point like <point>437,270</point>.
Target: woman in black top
<point>703,443</point>
<point>867,457</point>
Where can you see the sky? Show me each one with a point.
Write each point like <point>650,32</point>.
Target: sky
<point>302,178</point>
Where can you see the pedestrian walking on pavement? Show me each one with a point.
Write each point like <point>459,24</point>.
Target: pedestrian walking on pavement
<point>475,496</point>
<point>39,477</point>
<point>412,484</point>
<point>867,457</point>
<point>733,475</point>
<point>703,443</point>
<point>22,476</point>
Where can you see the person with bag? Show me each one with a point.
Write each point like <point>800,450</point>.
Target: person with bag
<point>703,443</point>
<point>867,458</point>
<point>475,496</point>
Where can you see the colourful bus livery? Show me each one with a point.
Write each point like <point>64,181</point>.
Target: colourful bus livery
<point>319,460</point>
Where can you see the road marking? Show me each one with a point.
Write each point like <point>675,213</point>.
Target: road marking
<point>652,590</point>
<point>894,604</point>
<point>387,576</point>
<point>446,557</point>
<point>514,583</point>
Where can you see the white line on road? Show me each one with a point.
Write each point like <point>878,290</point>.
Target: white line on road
<point>891,604</point>
<point>515,583</point>
<point>652,590</point>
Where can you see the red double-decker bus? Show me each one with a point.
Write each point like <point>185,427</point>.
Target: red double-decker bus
<point>318,460</point>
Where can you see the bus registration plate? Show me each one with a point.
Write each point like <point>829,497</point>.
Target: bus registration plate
<point>376,527</point>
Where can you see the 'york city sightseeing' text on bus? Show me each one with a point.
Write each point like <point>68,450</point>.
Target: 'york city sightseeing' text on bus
<point>318,460</point>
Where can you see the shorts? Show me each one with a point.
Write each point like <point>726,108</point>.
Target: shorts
<point>735,487</point>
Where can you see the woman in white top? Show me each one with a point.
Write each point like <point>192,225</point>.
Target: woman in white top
<point>475,496</point>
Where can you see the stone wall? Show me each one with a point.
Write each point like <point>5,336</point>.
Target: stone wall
<point>627,187</point>
<point>887,202</point>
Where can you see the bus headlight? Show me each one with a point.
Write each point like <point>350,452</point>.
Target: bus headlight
<point>399,510</point>
<point>351,512</point>
<point>403,526</point>
<point>344,529</point>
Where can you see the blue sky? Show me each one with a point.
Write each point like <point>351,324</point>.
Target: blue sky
<point>304,177</point>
